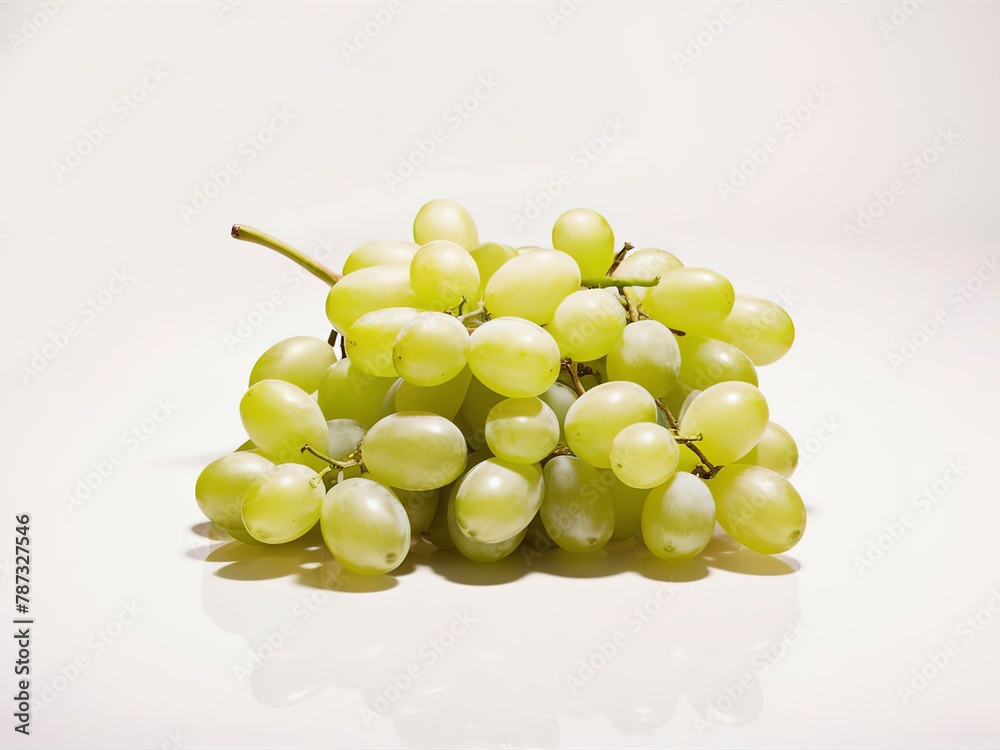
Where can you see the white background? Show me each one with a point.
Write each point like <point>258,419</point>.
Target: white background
<point>874,435</point>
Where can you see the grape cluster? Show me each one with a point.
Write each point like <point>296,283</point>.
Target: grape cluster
<point>485,393</point>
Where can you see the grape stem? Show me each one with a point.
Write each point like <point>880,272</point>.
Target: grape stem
<point>317,269</point>
<point>632,302</point>
<point>620,257</point>
<point>707,470</point>
<point>353,459</point>
<point>573,369</point>
<point>606,281</point>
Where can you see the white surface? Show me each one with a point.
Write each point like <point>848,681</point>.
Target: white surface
<point>169,677</point>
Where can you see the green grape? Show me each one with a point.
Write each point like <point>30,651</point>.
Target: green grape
<point>759,327</point>
<point>705,362</point>
<point>345,435</point>
<point>443,274</point>
<point>414,450</point>
<point>365,526</point>
<point>776,451</point>
<point>444,399</point>
<point>283,504</point>
<point>577,508</point>
<point>679,397</point>
<point>497,499</point>
<point>646,263</point>
<point>587,236</point>
<point>758,508</point>
<point>522,430</point>
<point>420,507</point>
<point>370,340</point>
<point>368,290</point>
<point>678,518</point>
<point>300,360</point>
<point>431,349</point>
<point>646,354</point>
<point>281,418</point>
<point>559,398</point>
<point>223,483</point>
<point>628,502</point>
<point>442,219</point>
<point>246,446</point>
<point>587,324</point>
<point>489,257</point>
<point>644,455</point>
<point>687,298</point>
<point>532,285</point>
<point>345,392</point>
<point>514,357</point>
<point>474,549</point>
<point>536,539</point>
<point>597,416</point>
<point>380,253</point>
<point>476,408</point>
<point>438,532</point>
<point>731,417</point>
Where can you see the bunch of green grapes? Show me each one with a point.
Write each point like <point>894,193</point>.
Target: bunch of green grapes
<point>481,388</point>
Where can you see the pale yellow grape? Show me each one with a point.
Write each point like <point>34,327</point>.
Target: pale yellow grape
<point>380,253</point>
<point>281,418</point>
<point>647,354</point>
<point>438,532</point>
<point>597,416</point>
<point>758,508</point>
<point>223,483</point>
<point>444,399</point>
<point>587,236</point>
<point>365,526</point>
<point>489,257</point>
<point>559,398</point>
<point>587,324</point>
<point>476,408</point>
<point>420,507</point>
<point>474,549</point>
<point>497,499</point>
<point>731,417</point>
<point>370,340</point>
<point>514,357</point>
<point>705,362</point>
<point>246,445</point>
<point>646,263</point>
<point>431,349</point>
<point>577,509</point>
<point>678,518</point>
<point>345,435</point>
<point>443,219</point>
<point>300,360</point>
<point>690,297</point>
<point>628,502</point>
<point>283,504</point>
<point>644,455</point>
<point>531,286</point>
<point>369,289</point>
<point>677,398</point>
<point>414,450</point>
<point>776,451</point>
<point>443,274</point>
<point>346,392</point>
<point>522,430</point>
<point>760,328</point>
